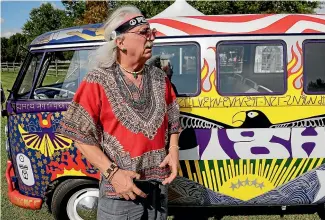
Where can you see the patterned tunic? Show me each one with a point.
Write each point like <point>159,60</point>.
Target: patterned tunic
<point>130,124</point>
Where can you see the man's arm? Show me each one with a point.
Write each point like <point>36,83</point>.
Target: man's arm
<point>122,180</point>
<point>95,156</point>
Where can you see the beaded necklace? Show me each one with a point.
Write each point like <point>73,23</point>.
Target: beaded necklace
<point>134,73</point>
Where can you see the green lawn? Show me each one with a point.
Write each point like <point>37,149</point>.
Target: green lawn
<point>9,212</point>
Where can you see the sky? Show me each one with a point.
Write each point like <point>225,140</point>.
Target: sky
<point>15,13</point>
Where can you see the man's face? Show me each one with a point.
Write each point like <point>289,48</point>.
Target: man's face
<point>139,41</point>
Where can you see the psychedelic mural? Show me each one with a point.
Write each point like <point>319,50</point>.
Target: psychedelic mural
<point>252,149</point>
<point>43,155</point>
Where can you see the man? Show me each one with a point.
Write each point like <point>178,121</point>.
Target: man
<point>124,119</point>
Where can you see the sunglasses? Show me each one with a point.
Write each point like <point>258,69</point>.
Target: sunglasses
<point>146,33</point>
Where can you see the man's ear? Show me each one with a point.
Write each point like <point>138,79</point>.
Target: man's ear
<point>119,42</point>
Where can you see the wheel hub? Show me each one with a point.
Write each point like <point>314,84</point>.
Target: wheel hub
<point>82,205</point>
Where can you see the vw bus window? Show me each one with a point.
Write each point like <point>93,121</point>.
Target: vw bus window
<point>27,83</point>
<point>61,74</point>
<point>180,62</point>
<point>314,67</point>
<point>251,68</point>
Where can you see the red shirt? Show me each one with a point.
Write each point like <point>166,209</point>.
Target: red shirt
<point>130,124</point>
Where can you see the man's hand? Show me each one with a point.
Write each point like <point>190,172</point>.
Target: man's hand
<point>171,160</point>
<point>122,182</point>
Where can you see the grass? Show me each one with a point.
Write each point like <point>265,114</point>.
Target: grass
<point>9,211</point>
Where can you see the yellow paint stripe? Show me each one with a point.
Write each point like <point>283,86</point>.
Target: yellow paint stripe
<point>225,169</point>
<point>257,164</point>
<point>188,168</point>
<point>230,172</point>
<point>290,175</point>
<point>280,176</point>
<point>304,167</point>
<point>289,169</point>
<point>263,167</point>
<point>195,178</point>
<point>241,167</point>
<point>252,167</point>
<point>320,162</point>
<point>312,164</point>
<point>237,170</point>
<point>232,165</point>
<point>266,170</point>
<point>205,179</point>
<point>248,166</point>
<point>214,181</point>
<point>271,169</point>
<point>222,175</point>
<point>245,170</point>
<point>216,169</point>
<point>198,172</point>
<point>302,162</point>
<point>279,170</point>
<point>208,174</point>
<point>274,172</point>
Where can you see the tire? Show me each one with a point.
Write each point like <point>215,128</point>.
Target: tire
<point>68,200</point>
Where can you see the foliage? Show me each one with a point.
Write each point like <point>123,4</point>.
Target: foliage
<point>43,19</point>
<point>148,8</point>
<point>12,48</point>
<point>151,8</point>
<point>74,11</point>
<point>95,12</point>
<point>253,7</point>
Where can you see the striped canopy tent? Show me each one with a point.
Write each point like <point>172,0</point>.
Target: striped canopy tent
<point>179,8</point>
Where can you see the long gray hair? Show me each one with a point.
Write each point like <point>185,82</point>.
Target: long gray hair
<point>106,54</point>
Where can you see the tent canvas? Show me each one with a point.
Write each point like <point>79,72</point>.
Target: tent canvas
<point>179,8</point>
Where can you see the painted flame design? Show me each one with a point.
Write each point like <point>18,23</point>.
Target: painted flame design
<point>297,81</point>
<point>208,78</point>
<point>71,166</point>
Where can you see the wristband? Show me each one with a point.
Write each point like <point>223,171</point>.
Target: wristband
<point>174,146</point>
<point>110,170</point>
<point>112,175</point>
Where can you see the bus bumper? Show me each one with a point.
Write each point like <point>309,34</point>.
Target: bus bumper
<point>15,197</point>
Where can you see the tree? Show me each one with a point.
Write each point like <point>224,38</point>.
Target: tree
<point>253,7</point>
<point>43,19</point>
<point>10,48</point>
<point>74,11</point>
<point>4,46</point>
<point>152,8</point>
<point>95,12</point>
<point>148,8</point>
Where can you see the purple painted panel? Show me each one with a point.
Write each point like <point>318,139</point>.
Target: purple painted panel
<point>273,143</point>
<point>30,106</point>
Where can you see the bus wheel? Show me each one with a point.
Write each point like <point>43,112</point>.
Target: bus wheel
<point>75,199</point>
